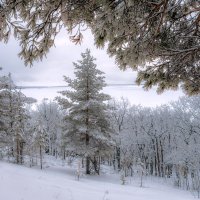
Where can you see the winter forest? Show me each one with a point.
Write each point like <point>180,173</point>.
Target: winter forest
<point>87,126</point>
<point>85,143</point>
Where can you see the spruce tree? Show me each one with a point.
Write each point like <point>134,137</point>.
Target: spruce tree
<point>87,128</point>
<point>13,117</point>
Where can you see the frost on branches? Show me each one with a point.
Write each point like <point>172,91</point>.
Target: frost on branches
<point>87,129</point>
<point>13,119</point>
<point>158,38</point>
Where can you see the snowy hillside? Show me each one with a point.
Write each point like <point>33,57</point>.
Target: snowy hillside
<point>59,183</point>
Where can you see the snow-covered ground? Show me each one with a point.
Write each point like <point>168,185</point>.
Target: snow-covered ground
<point>59,183</point>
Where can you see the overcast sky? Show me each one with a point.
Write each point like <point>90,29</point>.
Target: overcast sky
<point>59,62</point>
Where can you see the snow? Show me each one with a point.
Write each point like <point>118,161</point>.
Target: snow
<point>59,183</point>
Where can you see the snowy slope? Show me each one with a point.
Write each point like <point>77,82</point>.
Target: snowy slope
<point>59,183</point>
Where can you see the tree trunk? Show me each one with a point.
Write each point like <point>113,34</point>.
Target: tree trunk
<point>17,149</point>
<point>40,157</point>
<point>114,161</point>
<point>87,157</point>
<point>158,158</point>
<point>21,152</point>
<point>96,165</point>
<point>162,159</point>
<point>64,154</point>
<point>87,165</point>
<point>87,138</point>
<point>118,155</point>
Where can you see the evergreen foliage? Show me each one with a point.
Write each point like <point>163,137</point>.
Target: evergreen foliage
<point>158,38</point>
<point>87,127</point>
<point>13,117</point>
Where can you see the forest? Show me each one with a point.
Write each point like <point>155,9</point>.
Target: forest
<point>88,144</point>
<point>85,124</point>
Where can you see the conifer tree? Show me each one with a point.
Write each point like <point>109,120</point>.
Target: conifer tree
<point>13,117</point>
<point>87,128</point>
<point>160,39</point>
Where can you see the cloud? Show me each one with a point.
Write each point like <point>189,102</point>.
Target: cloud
<point>59,62</point>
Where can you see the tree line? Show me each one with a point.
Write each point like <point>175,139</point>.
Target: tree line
<point>85,123</point>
